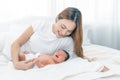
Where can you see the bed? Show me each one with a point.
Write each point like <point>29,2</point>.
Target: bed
<point>75,69</point>
<point>104,55</point>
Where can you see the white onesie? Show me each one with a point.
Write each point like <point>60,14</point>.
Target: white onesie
<point>31,56</point>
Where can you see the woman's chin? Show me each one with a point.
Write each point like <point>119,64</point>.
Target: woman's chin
<point>58,36</point>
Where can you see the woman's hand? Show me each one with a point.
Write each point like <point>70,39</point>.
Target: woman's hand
<point>24,65</point>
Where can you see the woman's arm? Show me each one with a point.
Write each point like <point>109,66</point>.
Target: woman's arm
<point>15,48</point>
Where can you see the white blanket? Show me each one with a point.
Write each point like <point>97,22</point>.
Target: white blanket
<point>56,72</point>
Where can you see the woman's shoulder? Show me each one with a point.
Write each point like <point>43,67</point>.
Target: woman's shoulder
<point>67,39</point>
<point>42,23</point>
<point>44,20</point>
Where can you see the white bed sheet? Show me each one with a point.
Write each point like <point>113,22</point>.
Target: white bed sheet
<point>106,56</point>
<point>103,55</point>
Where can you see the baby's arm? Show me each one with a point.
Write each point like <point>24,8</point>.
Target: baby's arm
<point>44,60</point>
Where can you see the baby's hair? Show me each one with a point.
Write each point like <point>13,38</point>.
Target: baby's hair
<point>67,55</point>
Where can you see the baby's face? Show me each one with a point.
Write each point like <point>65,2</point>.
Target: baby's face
<point>60,56</point>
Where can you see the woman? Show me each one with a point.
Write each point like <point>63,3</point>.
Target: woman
<point>47,37</point>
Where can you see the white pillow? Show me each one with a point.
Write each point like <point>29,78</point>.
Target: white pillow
<point>86,40</point>
<point>16,28</point>
<point>2,40</point>
<point>11,36</point>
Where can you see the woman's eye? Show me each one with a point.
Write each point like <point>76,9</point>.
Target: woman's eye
<point>62,26</point>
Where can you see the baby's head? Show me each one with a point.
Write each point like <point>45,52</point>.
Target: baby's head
<point>60,56</point>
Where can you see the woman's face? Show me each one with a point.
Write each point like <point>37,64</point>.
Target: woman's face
<point>63,27</point>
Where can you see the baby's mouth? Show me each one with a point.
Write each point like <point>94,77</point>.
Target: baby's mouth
<point>57,56</point>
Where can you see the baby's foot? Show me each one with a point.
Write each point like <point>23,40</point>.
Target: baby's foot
<point>22,57</point>
<point>105,69</point>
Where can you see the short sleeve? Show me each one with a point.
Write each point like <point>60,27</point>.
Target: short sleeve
<point>40,24</point>
<point>36,25</point>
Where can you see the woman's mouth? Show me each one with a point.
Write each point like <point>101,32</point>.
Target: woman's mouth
<point>59,34</point>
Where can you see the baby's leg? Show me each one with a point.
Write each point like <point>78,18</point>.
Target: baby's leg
<point>22,56</point>
<point>105,69</point>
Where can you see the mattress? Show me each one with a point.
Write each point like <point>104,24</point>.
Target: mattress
<point>76,69</point>
<point>107,56</point>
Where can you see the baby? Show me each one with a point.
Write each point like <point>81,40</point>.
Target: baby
<point>58,57</point>
<point>43,60</point>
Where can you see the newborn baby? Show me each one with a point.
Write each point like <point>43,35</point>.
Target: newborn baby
<point>43,60</point>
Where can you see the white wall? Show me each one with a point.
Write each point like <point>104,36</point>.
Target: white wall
<point>17,9</point>
<point>102,16</point>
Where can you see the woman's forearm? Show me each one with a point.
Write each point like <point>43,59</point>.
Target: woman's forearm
<point>15,48</point>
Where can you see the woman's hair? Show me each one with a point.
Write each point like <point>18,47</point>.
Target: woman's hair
<point>75,15</point>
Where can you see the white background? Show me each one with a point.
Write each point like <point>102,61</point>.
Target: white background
<point>102,16</point>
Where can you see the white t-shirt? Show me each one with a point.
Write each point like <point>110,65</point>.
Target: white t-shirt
<point>43,40</point>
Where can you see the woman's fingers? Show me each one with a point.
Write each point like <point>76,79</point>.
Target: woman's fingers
<point>28,61</point>
<point>25,65</point>
<point>29,64</point>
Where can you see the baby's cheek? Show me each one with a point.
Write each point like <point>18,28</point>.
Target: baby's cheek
<point>61,59</point>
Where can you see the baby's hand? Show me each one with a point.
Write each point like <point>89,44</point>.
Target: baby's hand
<point>38,63</point>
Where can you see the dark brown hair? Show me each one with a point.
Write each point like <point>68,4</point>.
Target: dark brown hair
<point>75,15</point>
<point>67,55</point>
